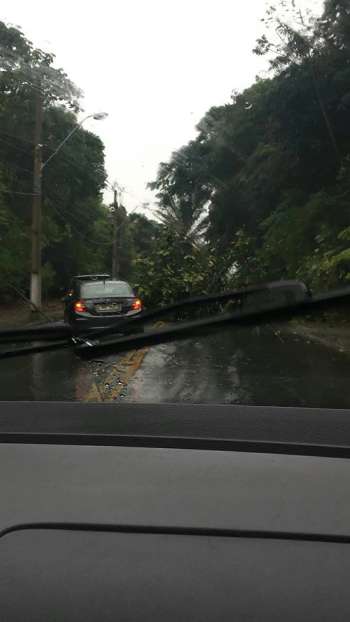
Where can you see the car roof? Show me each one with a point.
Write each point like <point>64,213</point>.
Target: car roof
<point>91,277</point>
<point>80,283</point>
<point>109,280</point>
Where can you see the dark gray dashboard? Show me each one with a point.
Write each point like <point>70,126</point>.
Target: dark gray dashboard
<point>49,575</point>
<point>123,531</point>
<point>173,488</point>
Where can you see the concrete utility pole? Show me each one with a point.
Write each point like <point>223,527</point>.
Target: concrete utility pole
<point>35,280</point>
<point>115,254</point>
<point>36,267</point>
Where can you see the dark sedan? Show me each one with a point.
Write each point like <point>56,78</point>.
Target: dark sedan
<point>96,303</point>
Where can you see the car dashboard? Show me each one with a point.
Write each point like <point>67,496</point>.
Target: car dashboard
<point>173,512</point>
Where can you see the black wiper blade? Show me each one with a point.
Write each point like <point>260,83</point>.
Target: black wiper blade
<point>184,330</point>
<point>36,333</point>
<point>36,349</point>
<point>292,290</point>
<point>296,300</point>
<point>49,332</point>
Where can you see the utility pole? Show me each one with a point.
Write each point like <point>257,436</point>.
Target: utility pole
<point>115,255</point>
<point>36,232</point>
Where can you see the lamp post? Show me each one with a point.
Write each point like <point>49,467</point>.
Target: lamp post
<point>36,267</point>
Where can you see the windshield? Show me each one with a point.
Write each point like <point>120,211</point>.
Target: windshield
<point>167,151</point>
<point>106,288</point>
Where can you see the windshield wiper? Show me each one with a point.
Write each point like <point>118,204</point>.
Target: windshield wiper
<point>295,299</point>
<point>183,330</point>
<point>292,289</point>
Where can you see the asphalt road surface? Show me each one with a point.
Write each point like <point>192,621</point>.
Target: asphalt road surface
<point>247,366</point>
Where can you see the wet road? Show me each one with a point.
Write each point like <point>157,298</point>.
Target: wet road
<point>249,366</point>
<point>252,366</point>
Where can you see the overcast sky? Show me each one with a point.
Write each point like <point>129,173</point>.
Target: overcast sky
<point>156,67</point>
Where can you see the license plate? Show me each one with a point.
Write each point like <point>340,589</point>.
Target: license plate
<point>114,307</point>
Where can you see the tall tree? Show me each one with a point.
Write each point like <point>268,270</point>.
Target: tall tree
<point>274,163</point>
<point>183,193</point>
<point>73,180</point>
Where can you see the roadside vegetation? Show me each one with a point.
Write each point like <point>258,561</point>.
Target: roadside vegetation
<point>266,183</point>
<point>262,192</point>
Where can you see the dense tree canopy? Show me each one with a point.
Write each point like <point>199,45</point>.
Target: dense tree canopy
<point>262,192</point>
<point>271,169</point>
<point>77,227</point>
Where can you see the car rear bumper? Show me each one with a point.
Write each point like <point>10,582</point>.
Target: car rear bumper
<point>83,322</point>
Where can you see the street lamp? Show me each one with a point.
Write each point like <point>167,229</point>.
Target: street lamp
<point>98,116</point>
<point>35,276</point>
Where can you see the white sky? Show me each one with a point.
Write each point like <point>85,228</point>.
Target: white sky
<point>155,66</point>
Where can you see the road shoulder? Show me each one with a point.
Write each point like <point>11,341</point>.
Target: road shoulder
<point>336,338</point>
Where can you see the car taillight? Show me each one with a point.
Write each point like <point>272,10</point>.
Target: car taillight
<point>136,305</point>
<point>80,306</point>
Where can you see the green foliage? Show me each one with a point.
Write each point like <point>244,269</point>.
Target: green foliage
<point>14,250</point>
<point>173,270</point>
<point>262,192</point>
<point>268,175</point>
<point>76,228</point>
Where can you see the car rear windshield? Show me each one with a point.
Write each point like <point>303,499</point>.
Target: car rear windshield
<point>105,288</point>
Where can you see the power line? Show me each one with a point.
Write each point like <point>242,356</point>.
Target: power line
<point>68,159</point>
<point>19,167</point>
<point>77,214</point>
<point>28,194</point>
<point>74,216</point>
<point>60,212</point>
<point>30,142</point>
<point>81,235</point>
<point>13,146</point>
<point>25,140</point>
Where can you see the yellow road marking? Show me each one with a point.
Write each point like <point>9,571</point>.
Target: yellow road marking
<point>103,390</point>
<point>93,394</point>
<point>132,364</point>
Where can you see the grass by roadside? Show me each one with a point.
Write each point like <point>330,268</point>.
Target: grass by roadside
<point>19,313</point>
